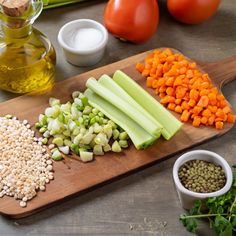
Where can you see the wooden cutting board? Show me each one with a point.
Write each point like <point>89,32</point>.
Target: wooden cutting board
<point>83,177</point>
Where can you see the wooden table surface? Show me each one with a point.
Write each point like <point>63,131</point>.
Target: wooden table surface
<point>144,203</point>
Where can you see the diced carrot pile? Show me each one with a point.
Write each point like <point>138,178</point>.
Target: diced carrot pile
<point>183,88</point>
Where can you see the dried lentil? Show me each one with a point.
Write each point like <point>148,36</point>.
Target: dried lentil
<point>201,176</point>
<point>25,165</point>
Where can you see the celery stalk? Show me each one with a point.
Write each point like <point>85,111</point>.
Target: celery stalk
<point>110,84</point>
<point>170,124</point>
<point>122,105</point>
<point>140,138</point>
<point>47,4</point>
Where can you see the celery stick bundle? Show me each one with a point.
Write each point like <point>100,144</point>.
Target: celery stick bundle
<point>57,3</point>
<point>132,108</point>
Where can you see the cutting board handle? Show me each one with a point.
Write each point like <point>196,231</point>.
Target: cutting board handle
<point>224,70</point>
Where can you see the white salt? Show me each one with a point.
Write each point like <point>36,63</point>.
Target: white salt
<point>86,38</point>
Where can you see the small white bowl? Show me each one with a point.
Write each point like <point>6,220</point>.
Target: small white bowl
<point>187,197</point>
<point>68,40</point>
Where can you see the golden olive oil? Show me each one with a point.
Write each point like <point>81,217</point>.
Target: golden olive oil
<point>27,65</point>
<point>27,57</point>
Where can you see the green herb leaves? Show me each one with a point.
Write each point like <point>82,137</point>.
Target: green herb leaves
<point>220,211</point>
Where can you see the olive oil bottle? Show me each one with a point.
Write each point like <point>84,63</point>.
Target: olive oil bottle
<point>27,57</point>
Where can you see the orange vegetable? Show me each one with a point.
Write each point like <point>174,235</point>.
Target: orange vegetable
<point>203,102</point>
<point>184,89</point>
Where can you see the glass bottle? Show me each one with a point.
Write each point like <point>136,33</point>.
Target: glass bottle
<point>27,57</point>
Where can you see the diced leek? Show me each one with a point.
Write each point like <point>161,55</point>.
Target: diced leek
<point>123,143</point>
<point>115,134</point>
<point>54,101</point>
<point>116,147</point>
<point>87,138</point>
<point>97,150</point>
<point>86,156</point>
<point>151,127</point>
<point>64,149</point>
<point>58,141</point>
<point>170,124</point>
<point>123,135</point>
<point>56,155</point>
<point>75,94</point>
<point>107,148</point>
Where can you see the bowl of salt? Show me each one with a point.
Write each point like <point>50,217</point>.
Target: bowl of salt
<point>83,41</point>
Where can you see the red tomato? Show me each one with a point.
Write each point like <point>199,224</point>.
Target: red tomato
<point>132,20</point>
<point>192,11</point>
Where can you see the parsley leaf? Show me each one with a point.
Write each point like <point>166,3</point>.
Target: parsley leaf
<point>220,211</point>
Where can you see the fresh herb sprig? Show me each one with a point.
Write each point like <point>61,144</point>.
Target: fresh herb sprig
<point>220,211</point>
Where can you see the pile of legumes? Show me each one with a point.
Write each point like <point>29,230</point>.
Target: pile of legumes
<point>183,88</point>
<point>201,176</point>
<point>25,165</point>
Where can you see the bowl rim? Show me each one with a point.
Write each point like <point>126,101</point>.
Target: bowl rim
<point>93,23</point>
<point>186,157</point>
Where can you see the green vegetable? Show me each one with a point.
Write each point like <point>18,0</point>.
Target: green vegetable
<point>110,84</point>
<point>76,126</point>
<point>170,124</point>
<point>141,138</point>
<point>47,4</point>
<point>220,211</point>
<point>116,147</point>
<point>56,155</point>
<point>143,121</point>
<point>86,156</point>
<point>58,141</point>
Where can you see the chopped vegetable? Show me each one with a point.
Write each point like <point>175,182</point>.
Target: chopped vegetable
<point>183,88</point>
<point>141,138</point>
<point>169,123</point>
<point>110,84</point>
<point>151,127</point>
<point>78,127</point>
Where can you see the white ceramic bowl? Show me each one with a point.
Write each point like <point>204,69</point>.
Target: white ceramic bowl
<point>187,197</point>
<point>82,56</point>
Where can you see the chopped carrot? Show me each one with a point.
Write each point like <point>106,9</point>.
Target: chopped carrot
<point>231,118</point>
<point>154,83</point>
<point>149,82</point>
<point>226,110</point>
<point>192,102</point>
<point>145,72</point>
<point>211,120</point>
<point>170,91</point>
<point>185,89</point>
<point>203,102</point>
<point>162,95</point>
<point>179,80</point>
<point>171,106</point>
<point>206,113</point>
<point>197,110</point>
<point>185,116</point>
<point>178,109</point>
<point>194,94</point>
<point>204,120</point>
<point>219,125</point>
<point>170,81</point>
<point>167,99</point>
<point>140,67</point>
<point>180,91</point>
<point>196,121</point>
<point>178,101</point>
